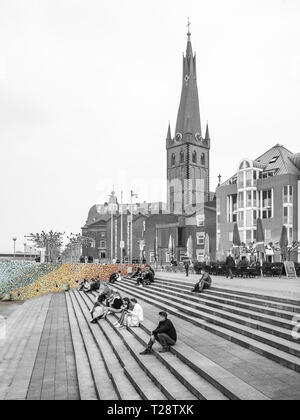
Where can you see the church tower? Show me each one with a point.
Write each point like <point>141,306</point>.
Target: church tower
<point>188,151</point>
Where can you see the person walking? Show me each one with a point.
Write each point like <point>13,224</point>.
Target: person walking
<point>187,267</point>
<point>230,264</point>
<point>165,334</point>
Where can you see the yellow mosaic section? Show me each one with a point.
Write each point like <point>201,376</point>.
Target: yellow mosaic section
<point>68,274</point>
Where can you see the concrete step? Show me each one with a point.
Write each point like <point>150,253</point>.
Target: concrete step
<point>222,380</point>
<point>145,388</point>
<point>229,330</point>
<point>103,381</point>
<point>291,306</point>
<point>231,301</point>
<point>269,325</point>
<point>162,378</point>
<point>85,377</point>
<point>274,336</point>
<point>17,365</point>
<point>123,386</point>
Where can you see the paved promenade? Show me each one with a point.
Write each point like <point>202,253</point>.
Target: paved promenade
<point>230,346</point>
<point>282,288</point>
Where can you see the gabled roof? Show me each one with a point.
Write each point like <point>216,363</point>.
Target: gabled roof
<point>279,158</point>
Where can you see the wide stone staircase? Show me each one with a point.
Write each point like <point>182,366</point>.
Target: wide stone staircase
<point>52,351</point>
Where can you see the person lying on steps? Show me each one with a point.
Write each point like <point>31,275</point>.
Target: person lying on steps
<point>132,317</point>
<point>204,282</point>
<point>165,334</point>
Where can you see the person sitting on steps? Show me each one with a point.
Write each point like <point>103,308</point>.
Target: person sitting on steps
<point>204,282</point>
<point>131,317</point>
<point>115,306</point>
<point>84,286</point>
<point>115,277</point>
<point>165,334</point>
<point>101,299</point>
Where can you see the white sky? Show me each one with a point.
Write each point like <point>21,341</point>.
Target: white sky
<point>87,88</point>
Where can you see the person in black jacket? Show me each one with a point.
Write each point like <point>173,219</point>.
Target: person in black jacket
<point>165,334</point>
<point>230,264</point>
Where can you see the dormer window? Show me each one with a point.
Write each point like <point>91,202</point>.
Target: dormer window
<point>274,159</point>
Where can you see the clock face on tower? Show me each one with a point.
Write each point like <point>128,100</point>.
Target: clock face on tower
<point>187,78</point>
<point>178,137</point>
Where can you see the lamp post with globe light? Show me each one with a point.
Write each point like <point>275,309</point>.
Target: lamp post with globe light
<point>15,240</point>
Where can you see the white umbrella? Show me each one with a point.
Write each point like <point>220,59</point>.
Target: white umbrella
<point>189,248</point>
<point>171,249</point>
<point>206,248</point>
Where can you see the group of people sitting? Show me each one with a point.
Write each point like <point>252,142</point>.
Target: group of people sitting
<point>109,301</point>
<point>89,287</point>
<point>144,278</point>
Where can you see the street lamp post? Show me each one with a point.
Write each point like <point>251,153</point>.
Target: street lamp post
<point>15,240</point>
<point>131,223</point>
<point>122,243</point>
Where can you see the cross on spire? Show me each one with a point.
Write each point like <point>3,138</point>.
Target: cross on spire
<point>189,26</point>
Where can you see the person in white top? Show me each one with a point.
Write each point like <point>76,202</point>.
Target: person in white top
<point>134,317</point>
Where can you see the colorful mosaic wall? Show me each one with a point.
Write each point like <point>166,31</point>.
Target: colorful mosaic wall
<point>26,280</point>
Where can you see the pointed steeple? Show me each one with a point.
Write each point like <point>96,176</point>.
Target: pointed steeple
<point>207,135</point>
<point>189,102</point>
<point>169,135</point>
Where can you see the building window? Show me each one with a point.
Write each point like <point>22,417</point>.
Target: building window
<point>241,219</point>
<point>152,259</point>
<point>200,220</point>
<point>241,200</point>
<point>102,244</point>
<point>195,157</point>
<point>200,238</point>
<point>240,180</point>
<point>249,218</point>
<point>173,159</point>
<point>200,255</point>
<point>249,177</point>
<point>267,204</point>
<point>288,194</point>
<point>288,215</point>
<point>245,164</point>
<point>268,236</point>
<point>249,199</point>
<point>203,159</point>
<point>181,157</point>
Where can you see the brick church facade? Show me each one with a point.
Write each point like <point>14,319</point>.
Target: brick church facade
<point>190,211</point>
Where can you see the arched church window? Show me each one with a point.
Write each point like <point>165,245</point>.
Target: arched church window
<point>181,157</point>
<point>203,159</point>
<point>195,157</point>
<point>173,159</point>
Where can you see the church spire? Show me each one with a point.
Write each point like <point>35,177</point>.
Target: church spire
<point>207,135</point>
<point>189,111</point>
<point>169,135</point>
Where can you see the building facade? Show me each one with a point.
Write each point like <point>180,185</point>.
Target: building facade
<point>190,210</point>
<point>267,188</point>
